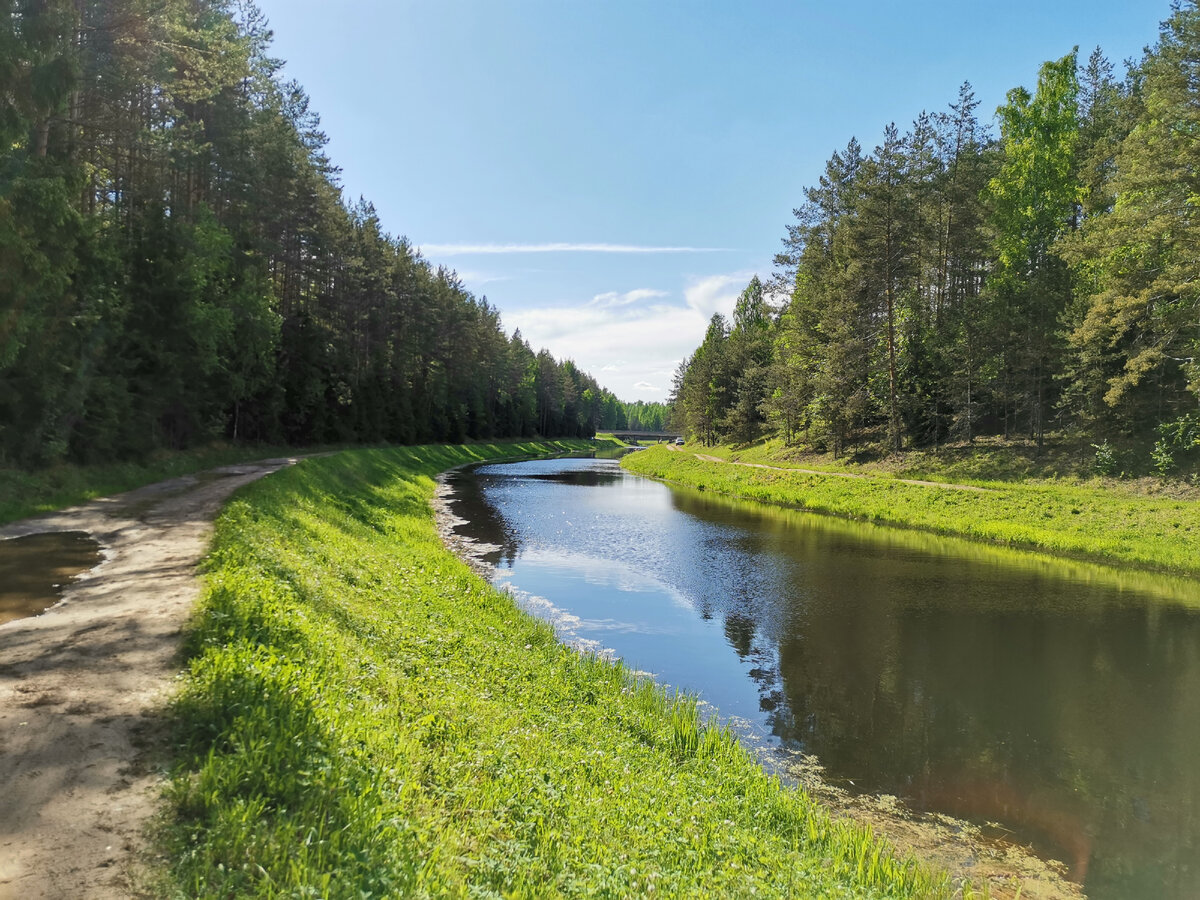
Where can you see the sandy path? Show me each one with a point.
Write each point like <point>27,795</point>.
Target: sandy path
<point>82,684</point>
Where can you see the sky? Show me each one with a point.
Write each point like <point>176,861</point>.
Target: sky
<point>611,173</point>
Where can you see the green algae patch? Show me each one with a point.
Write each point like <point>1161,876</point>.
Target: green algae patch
<point>364,717</point>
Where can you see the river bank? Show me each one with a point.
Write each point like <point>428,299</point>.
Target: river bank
<point>697,590</point>
<point>1160,533</point>
<point>351,680</point>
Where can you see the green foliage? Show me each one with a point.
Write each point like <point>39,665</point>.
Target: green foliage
<point>1178,443</point>
<point>364,717</point>
<point>1035,198</point>
<point>177,263</point>
<point>1108,459</point>
<point>952,285</point>
<point>1134,334</point>
<point>1162,458</point>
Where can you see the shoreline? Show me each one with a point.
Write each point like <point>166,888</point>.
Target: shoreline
<point>1158,537</point>
<point>941,841</point>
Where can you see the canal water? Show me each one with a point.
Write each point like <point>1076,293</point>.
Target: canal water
<point>1058,701</point>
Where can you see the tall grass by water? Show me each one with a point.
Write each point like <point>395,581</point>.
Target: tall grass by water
<point>1154,532</point>
<point>364,717</point>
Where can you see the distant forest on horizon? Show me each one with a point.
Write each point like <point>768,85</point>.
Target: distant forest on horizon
<point>954,283</point>
<point>177,263</point>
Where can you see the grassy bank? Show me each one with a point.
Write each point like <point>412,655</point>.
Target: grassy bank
<point>28,493</point>
<point>363,717</point>
<point>986,460</point>
<point>1089,521</point>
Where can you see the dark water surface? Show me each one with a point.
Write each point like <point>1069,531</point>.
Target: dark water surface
<point>1058,700</point>
<point>35,569</point>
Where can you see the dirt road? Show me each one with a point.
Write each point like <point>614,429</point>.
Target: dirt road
<point>82,686</point>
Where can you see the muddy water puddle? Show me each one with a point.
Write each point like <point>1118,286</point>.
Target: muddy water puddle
<point>36,569</point>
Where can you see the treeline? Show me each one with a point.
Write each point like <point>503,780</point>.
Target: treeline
<point>637,416</point>
<point>953,283</point>
<point>177,262</point>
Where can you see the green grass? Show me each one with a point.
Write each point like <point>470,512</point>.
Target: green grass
<point>27,493</point>
<point>364,717</point>
<point>1092,521</point>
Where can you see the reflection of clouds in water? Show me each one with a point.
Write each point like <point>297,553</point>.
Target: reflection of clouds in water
<point>566,625</point>
<point>617,627</point>
<point>605,573</point>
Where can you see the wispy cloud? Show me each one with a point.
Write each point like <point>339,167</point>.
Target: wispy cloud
<point>479,279</point>
<point>470,249</point>
<point>610,299</point>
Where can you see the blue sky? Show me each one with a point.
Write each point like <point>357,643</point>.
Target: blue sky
<point>610,173</point>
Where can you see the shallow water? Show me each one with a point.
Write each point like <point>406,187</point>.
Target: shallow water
<point>1059,701</point>
<point>34,570</point>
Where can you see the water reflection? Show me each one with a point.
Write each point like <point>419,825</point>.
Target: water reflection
<point>1060,700</point>
<point>36,568</point>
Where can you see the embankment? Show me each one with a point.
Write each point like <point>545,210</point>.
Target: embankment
<point>1158,533</point>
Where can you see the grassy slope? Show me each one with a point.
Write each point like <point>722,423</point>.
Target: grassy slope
<point>24,493</point>
<point>1057,517</point>
<point>365,717</point>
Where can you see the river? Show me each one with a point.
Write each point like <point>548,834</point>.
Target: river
<point>1057,701</point>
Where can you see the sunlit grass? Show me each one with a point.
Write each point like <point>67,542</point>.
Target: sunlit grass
<point>364,717</point>
<point>1083,520</point>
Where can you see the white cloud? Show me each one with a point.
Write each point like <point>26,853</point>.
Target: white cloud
<point>466,249</point>
<point>479,279</point>
<point>716,293</point>
<point>623,346</point>
<point>612,298</point>
<point>633,348</point>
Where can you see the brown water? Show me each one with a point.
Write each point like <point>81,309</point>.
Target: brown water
<point>1058,700</point>
<point>34,570</point>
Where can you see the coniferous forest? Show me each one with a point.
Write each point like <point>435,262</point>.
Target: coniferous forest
<point>177,263</point>
<point>956,282</point>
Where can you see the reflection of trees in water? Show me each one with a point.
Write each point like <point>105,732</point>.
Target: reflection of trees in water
<point>991,687</point>
<point>1052,724</point>
<point>483,522</point>
<point>740,631</point>
<point>583,478</point>
<point>987,686</point>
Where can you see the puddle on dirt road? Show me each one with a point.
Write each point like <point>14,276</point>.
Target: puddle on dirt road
<point>34,570</point>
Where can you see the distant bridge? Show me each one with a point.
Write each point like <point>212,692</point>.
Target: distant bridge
<point>632,437</point>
